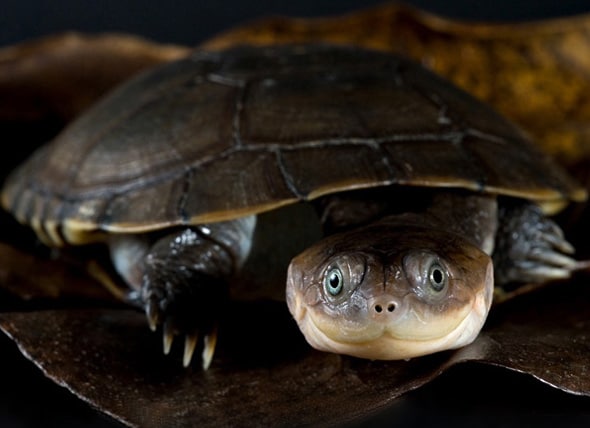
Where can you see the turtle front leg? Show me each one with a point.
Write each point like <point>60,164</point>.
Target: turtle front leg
<point>530,248</point>
<point>181,278</point>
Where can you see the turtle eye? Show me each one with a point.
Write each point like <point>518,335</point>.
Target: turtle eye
<point>437,277</point>
<point>427,274</point>
<point>333,282</point>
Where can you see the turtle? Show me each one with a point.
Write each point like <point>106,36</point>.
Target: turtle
<point>422,199</point>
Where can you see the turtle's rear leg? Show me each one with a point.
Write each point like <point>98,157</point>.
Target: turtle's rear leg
<point>530,249</point>
<point>180,278</point>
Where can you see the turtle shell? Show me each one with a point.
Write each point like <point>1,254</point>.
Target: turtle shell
<point>219,135</point>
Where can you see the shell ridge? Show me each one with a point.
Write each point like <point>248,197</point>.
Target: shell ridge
<point>287,176</point>
<point>131,185</point>
<point>391,171</point>
<point>225,80</point>
<point>181,204</point>
<point>171,174</point>
<point>237,117</point>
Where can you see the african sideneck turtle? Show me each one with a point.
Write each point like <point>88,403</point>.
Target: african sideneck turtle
<point>425,195</point>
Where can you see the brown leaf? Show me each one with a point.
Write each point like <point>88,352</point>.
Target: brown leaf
<point>264,371</point>
<point>58,76</point>
<point>24,274</point>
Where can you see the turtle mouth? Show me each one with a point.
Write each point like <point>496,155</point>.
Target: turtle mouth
<point>380,341</point>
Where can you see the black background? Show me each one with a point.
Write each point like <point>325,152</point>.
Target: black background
<point>466,396</point>
<point>191,21</point>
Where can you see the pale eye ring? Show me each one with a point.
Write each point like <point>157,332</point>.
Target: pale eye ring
<point>437,277</point>
<point>334,282</point>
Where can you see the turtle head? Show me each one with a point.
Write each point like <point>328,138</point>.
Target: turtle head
<point>383,292</point>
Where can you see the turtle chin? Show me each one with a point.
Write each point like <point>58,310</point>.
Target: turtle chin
<point>396,340</point>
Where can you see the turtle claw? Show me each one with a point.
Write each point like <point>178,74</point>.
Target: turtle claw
<point>209,348</point>
<point>168,338</point>
<point>550,257</point>
<point>191,340</point>
<point>190,343</point>
<point>531,248</point>
<point>582,265</point>
<point>153,314</point>
<point>547,273</point>
<point>553,237</point>
<point>170,329</point>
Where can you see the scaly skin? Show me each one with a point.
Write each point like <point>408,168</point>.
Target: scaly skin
<point>181,278</point>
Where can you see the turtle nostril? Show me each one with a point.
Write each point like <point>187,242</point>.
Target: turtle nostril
<point>384,307</point>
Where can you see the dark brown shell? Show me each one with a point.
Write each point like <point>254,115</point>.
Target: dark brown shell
<point>224,134</point>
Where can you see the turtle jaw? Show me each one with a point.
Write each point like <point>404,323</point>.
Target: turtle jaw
<point>397,339</point>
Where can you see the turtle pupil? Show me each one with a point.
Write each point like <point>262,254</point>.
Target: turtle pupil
<point>333,282</point>
<point>437,278</point>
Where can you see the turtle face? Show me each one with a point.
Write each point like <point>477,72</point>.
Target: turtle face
<point>390,293</point>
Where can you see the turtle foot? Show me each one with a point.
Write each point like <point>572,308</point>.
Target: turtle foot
<point>531,248</point>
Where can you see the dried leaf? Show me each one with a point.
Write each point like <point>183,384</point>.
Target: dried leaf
<point>24,274</point>
<point>264,371</point>
<point>58,76</point>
